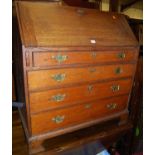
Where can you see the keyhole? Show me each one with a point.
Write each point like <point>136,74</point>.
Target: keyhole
<point>90,88</point>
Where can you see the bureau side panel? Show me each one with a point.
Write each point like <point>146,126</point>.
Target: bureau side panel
<point>18,70</point>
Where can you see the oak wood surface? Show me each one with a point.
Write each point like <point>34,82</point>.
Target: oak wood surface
<point>78,28</point>
<point>42,122</point>
<point>41,59</point>
<point>41,101</point>
<point>43,79</point>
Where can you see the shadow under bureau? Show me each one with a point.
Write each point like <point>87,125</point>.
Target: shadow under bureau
<point>76,69</point>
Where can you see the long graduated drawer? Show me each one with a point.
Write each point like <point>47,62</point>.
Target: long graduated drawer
<point>57,119</point>
<point>55,98</point>
<point>42,79</point>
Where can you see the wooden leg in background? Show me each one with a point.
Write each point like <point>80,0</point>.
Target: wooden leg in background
<point>128,137</point>
<point>123,119</point>
<point>36,146</point>
<point>124,144</point>
<point>112,149</point>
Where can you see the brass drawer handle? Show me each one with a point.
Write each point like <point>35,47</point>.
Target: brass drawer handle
<point>58,119</point>
<point>111,106</point>
<point>87,106</point>
<point>58,97</point>
<point>118,70</point>
<point>121,55</point>
<point>59,77</point>
<point>60,58</point>
<point>115,88</point>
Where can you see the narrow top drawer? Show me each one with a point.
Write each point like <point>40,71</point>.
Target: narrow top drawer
<point>43,59</point>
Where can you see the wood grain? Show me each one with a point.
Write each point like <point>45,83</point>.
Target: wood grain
<point>43,79</point>
<point>42,122</point>
<point>76,29</point>
<point>44,59</point>
<point>41,101</point>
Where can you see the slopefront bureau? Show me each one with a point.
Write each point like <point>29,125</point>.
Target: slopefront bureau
<point>77,67</point>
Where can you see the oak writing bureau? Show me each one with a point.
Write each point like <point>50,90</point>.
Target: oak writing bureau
<point>77,67</point>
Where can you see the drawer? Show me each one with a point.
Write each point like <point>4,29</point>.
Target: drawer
<point>58,77</point>
<point>56,119</point>
<point>55,98</point>
<point>41,59</point>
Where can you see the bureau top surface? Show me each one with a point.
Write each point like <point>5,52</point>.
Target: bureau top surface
<point>48,25</point>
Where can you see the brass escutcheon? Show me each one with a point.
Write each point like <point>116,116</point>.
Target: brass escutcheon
<point>93,54</point>
<point>90,88</point>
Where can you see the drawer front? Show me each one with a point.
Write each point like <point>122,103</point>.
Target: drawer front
<point>41,59</point>
<point>45,100</point>
<point>56,119</point>
<point>58,77</point>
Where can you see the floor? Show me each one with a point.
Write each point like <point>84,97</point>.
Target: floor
<point>20,146</point>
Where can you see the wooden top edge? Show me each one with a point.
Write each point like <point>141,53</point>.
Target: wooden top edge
<point>43,48</point>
